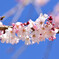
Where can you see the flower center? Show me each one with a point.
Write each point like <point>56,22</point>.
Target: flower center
<point>24,30</point>
<point>27,39</point>
<point>41,22</point>
<point>43,28</point>
<point>34,35</point>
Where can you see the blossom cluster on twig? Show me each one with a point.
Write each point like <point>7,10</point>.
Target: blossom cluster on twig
<point>30,32</point>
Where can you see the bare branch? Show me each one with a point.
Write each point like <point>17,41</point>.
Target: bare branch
<point>1,18</point>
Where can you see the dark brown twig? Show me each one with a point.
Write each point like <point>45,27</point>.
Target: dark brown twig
<point>5,27</point>
<point>1,18</point>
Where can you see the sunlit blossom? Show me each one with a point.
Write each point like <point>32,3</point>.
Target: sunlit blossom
<point>30,32</point>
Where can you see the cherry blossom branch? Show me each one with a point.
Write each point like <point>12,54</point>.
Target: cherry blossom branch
<point>6,27</point>
<point>30,32</point>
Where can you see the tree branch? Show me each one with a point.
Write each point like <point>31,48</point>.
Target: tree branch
<point>1,18</point>
<point>5,27</point>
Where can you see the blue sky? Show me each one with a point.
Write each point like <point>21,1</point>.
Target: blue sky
<point>32,51</point>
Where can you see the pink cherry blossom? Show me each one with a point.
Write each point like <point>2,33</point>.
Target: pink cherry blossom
<point>30,32</point>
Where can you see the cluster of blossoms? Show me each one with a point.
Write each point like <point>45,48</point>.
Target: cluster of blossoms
<point>30,32</point>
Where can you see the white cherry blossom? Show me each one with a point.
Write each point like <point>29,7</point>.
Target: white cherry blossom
<point>30,32</point>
